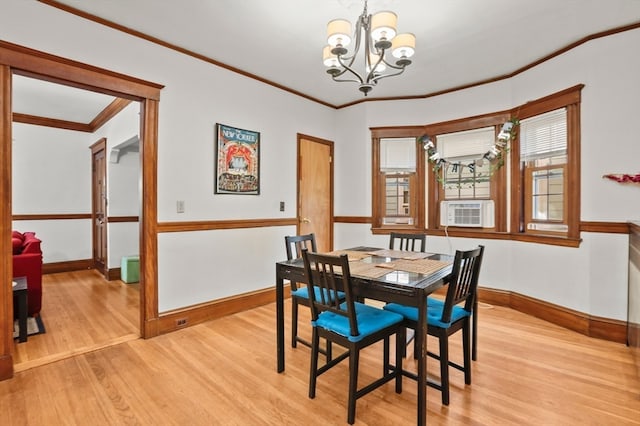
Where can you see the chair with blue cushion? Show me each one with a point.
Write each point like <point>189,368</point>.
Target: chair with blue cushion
<point>444,318</point>
<point>407,242</point>
<point>300,293</point>
<point>350,324</point>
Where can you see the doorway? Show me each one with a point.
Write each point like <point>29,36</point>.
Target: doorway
<point>315,190</point>
<point>27,62</point>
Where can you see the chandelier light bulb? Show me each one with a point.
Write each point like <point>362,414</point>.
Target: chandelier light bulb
<point>339,32</point>
<point>328,58</point>
<point>403,45</point>
<point>383,26</point>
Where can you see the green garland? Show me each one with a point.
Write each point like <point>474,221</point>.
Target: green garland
<point>495,155</point>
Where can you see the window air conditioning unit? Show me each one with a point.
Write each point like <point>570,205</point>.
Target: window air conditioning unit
<point>471,213</point>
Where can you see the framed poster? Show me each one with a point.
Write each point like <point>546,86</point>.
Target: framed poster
<point>237,161</point>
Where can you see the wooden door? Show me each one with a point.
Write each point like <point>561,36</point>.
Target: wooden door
<point>315,190</point>
<point>99,205</point>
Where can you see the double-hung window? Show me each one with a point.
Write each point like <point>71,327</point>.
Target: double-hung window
<point>543,153</point>
<point>398,175</point>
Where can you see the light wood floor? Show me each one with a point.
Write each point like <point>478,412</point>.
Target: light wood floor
<point>223,372</point>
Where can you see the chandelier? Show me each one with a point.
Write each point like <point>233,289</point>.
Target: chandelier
<point>381,45</point>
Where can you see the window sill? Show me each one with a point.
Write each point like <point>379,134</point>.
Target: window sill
<point>492,235</point>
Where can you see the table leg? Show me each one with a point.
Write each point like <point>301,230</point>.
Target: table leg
<point>280,322</point>
<point>22,315</point>
<point>421,344</point>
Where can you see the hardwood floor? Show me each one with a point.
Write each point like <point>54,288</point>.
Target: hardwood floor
<point>81,312</point>
<point>223,372</point>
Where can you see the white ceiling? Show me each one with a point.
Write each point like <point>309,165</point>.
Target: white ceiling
<point>459,42</point>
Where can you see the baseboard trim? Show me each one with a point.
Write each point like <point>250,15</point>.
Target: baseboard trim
<point>181,318</point>
<point>68,266</point>
<point>589,325</point>
<point>601,328</point>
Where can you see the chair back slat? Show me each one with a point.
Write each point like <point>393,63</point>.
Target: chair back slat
<point>326,276</point>
<point>407,242</point>
<point>463,281</point>
<point>295,243</point>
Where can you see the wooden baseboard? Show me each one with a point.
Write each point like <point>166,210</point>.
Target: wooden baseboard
<point>174,320</point>
<point>601,328</point>
<point>68,266</point>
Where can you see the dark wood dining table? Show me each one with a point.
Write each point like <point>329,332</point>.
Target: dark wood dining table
<point>391,284</point>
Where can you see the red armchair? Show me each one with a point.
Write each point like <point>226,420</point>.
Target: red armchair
<point>27,262</point>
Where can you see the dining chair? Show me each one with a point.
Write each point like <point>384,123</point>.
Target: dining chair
<point>408,242</point>
<point>300,293</point>
<point>444,318</point>
<point>350,324</point>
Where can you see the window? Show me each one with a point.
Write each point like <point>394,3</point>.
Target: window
<point>536,195</point>
<point>466,175</point>
<point>543,153</point>
<point>548,153</point>
<point>398,171</point>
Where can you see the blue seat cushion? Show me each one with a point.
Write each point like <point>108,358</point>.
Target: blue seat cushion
<point>370,320</point>
<point>303,292</point>
<point>434,312</point>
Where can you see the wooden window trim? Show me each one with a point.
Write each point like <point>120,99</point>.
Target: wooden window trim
<point>570,99</point>
<point>378,184</point>
<point>509,226</point>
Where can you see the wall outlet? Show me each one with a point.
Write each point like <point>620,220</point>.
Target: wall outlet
<point>281,206</point>
<point>181,322</point>
<point>180,206</point>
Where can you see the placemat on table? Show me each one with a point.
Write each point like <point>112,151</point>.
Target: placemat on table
<point>420,266</point>
<point>353,255</point>
<point>369,270</point>
<point>401,254</point>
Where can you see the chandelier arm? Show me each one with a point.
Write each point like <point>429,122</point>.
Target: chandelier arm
<point>347,67</point>
<point>381,76</point>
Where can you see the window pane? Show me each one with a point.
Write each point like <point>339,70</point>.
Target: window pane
<point>466,180</point>
<point>548,194</point>
<point>397,200</point>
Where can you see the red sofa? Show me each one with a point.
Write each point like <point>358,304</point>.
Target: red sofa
<point>27,262</point>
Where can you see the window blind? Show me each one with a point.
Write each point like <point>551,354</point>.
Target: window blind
<point>544,135</point>
<point>398,155</point>
<point>469,143</point>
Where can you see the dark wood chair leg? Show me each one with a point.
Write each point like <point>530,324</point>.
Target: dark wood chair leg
<point>466,350</point>
<point>474,345</point>
<point>354,356</point>
<point>444,368</point>
<point>313,374</point>
<point>294,322</point>
<point>401,349</point>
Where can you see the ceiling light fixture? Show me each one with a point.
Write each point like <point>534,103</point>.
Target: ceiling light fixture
<point>378,34</point>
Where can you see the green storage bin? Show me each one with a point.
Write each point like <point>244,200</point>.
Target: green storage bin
<point>130,269</point>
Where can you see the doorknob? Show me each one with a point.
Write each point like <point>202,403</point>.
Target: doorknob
<point>305,220</point>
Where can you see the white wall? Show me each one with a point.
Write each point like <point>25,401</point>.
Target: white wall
<point>52,175</point>
<point>196,267</point>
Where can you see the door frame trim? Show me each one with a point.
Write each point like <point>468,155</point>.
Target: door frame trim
<point>24,61</point>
